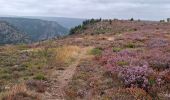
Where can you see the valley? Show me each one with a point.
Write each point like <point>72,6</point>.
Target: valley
<point>36,29</point>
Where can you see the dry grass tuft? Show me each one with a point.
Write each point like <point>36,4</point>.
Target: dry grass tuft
<point>139,93</point>
<point>66,54</point>
<point>19,92</point>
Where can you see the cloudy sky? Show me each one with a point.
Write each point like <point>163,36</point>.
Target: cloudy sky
<point>143,9</point>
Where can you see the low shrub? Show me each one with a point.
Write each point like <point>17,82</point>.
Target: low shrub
<point>102,31</point>
<point>116,49</point>
<point>157,59</point>
<point>39,77</point>
<point>5,76</point>
<point>136,76</point>
<point>122,63</point>
<point>129,45</point>
<point>22,46</point>
<point>96,51</point>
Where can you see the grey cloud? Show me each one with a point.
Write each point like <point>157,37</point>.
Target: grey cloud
<point>145,9</point>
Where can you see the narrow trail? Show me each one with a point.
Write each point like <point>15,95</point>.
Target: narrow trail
<point>60,79</point>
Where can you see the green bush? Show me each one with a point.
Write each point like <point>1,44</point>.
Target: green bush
<point>152,81</point>
<point>96,51</point>
<point>40,77</point>
<point>116,49</point>
<point>5,76</point>
<point>122,63</point>
<point>131,19</point>
<point>102,31</point>
<point>22,47</point>
<point>130,45</point>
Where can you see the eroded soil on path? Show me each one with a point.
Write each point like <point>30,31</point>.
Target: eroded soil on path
<point>59,79</point>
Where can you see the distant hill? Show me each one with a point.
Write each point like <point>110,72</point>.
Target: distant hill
<point>98,26</point>
<point>66,22</point>
<point>35,28</point>
<point>11,35</point>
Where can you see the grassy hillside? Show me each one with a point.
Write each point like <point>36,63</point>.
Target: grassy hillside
<point>37,29</point>
<point>11,35</point>
<point>106,60</point>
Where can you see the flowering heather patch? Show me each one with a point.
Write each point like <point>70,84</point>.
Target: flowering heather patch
<point>136,76</point>
<point>123,58</point>
<point>133,68</point>
<point>163,77</point>
<point>158,42</point>
<point>158,59</point>
<point>135,37</point>
<point>106,54</point>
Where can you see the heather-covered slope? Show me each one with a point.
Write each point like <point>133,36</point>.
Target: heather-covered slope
<point>37,29</point>
<point>11,35</point>
<point>123,60</point>
<point>131,61</point>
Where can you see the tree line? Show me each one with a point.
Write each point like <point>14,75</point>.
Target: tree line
<point>83,25</point>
